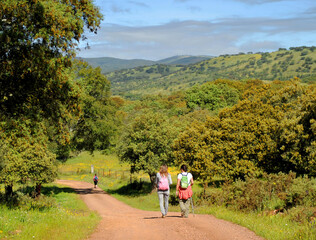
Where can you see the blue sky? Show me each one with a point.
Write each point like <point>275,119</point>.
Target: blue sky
<point>157,29</point>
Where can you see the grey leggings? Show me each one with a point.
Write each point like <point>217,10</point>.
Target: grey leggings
<point>163,202</point>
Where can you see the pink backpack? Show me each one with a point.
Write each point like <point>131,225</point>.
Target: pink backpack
<point>163,183</point>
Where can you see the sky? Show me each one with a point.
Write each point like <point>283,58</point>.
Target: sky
<point>158,29</point>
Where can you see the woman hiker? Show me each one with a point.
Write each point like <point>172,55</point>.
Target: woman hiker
<point>163,182</point>
<point>184,190</point>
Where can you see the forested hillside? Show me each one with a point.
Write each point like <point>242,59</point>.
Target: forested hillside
<point>280,65</point>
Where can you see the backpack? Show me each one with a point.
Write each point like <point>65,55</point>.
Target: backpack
<point>95,178</point>
<point>163,183</point>
<point>184,183</point>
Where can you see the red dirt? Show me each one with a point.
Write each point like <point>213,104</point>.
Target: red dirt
<point>120,221</point>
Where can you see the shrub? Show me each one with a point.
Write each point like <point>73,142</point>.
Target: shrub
<point>302,192</point>
<point>302,214</point>
<point>271,193</point>
<point>42,202</point>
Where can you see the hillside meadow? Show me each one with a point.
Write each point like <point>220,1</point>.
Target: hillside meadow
<point>283,64</point>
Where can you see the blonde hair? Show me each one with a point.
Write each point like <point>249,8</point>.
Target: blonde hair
<point>163,170</point>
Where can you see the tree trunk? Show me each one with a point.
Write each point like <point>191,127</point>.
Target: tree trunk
<point>205,185</point>
<point>8,190</point>
<point>153,177</point>
<point>38,189</point>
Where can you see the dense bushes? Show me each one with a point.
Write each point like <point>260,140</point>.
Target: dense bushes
<point>272,129</point>
<point>24,199</point>
<point>211,96</point>
<point>271,194</point>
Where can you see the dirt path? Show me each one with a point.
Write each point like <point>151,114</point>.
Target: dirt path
<point>120,221</point>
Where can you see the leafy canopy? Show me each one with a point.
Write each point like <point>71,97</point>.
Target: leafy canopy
<point>272,129</point>
<point>211,96</point>
<point>146,143</point>
<point>38,40</point>
<point>37,96</point>
<point>97,124</point>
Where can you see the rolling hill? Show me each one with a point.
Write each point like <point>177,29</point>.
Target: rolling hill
<point>109,64</point>
<point>160,78</point>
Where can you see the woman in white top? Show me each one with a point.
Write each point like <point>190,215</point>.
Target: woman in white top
<point>184,190</point>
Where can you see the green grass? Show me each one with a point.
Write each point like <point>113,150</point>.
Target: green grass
<point>68,218</point>
<point>273,227</point>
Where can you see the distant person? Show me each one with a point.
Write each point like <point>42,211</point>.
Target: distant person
<point>95,180</point>
<point>184,190</point>
<point>163,182</point>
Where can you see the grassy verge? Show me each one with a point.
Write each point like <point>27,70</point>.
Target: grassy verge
<point>61,216</point>
<point>137,193</point>
<point>273,227</point>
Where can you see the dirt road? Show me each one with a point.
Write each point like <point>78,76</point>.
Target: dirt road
<point>120,221</point>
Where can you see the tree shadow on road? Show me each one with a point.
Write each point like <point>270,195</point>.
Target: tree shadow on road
<point>133,189</point>
<point>50,190</point>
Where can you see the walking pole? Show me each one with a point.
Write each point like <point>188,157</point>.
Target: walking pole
<point>192,206</point>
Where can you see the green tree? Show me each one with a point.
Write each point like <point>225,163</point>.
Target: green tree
<point>98,124</point>
<point>272,130</point>
<point>38,41</point>
<point>211,96</point>
<point>26,155</point>
<point>297,128</point>
<point>147,143</point>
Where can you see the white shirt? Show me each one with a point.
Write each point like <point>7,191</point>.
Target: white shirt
<point>185,173</point>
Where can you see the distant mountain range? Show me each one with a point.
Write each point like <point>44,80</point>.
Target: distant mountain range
<point>109,64</point>
<point>166,78</point>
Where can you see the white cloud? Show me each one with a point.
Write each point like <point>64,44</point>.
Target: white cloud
<point>229,35</point>
<point>258,46</point>
<point>311,11</point>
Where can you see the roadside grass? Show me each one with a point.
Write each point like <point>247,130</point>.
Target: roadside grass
<point>273,227</point>
<point>135,190</point>
<point>62,215</point>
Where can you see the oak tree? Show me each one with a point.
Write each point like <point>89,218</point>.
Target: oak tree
<point>38,41</point>
<point>147,143</point>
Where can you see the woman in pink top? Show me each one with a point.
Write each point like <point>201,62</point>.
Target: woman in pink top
<point>163,182</point>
